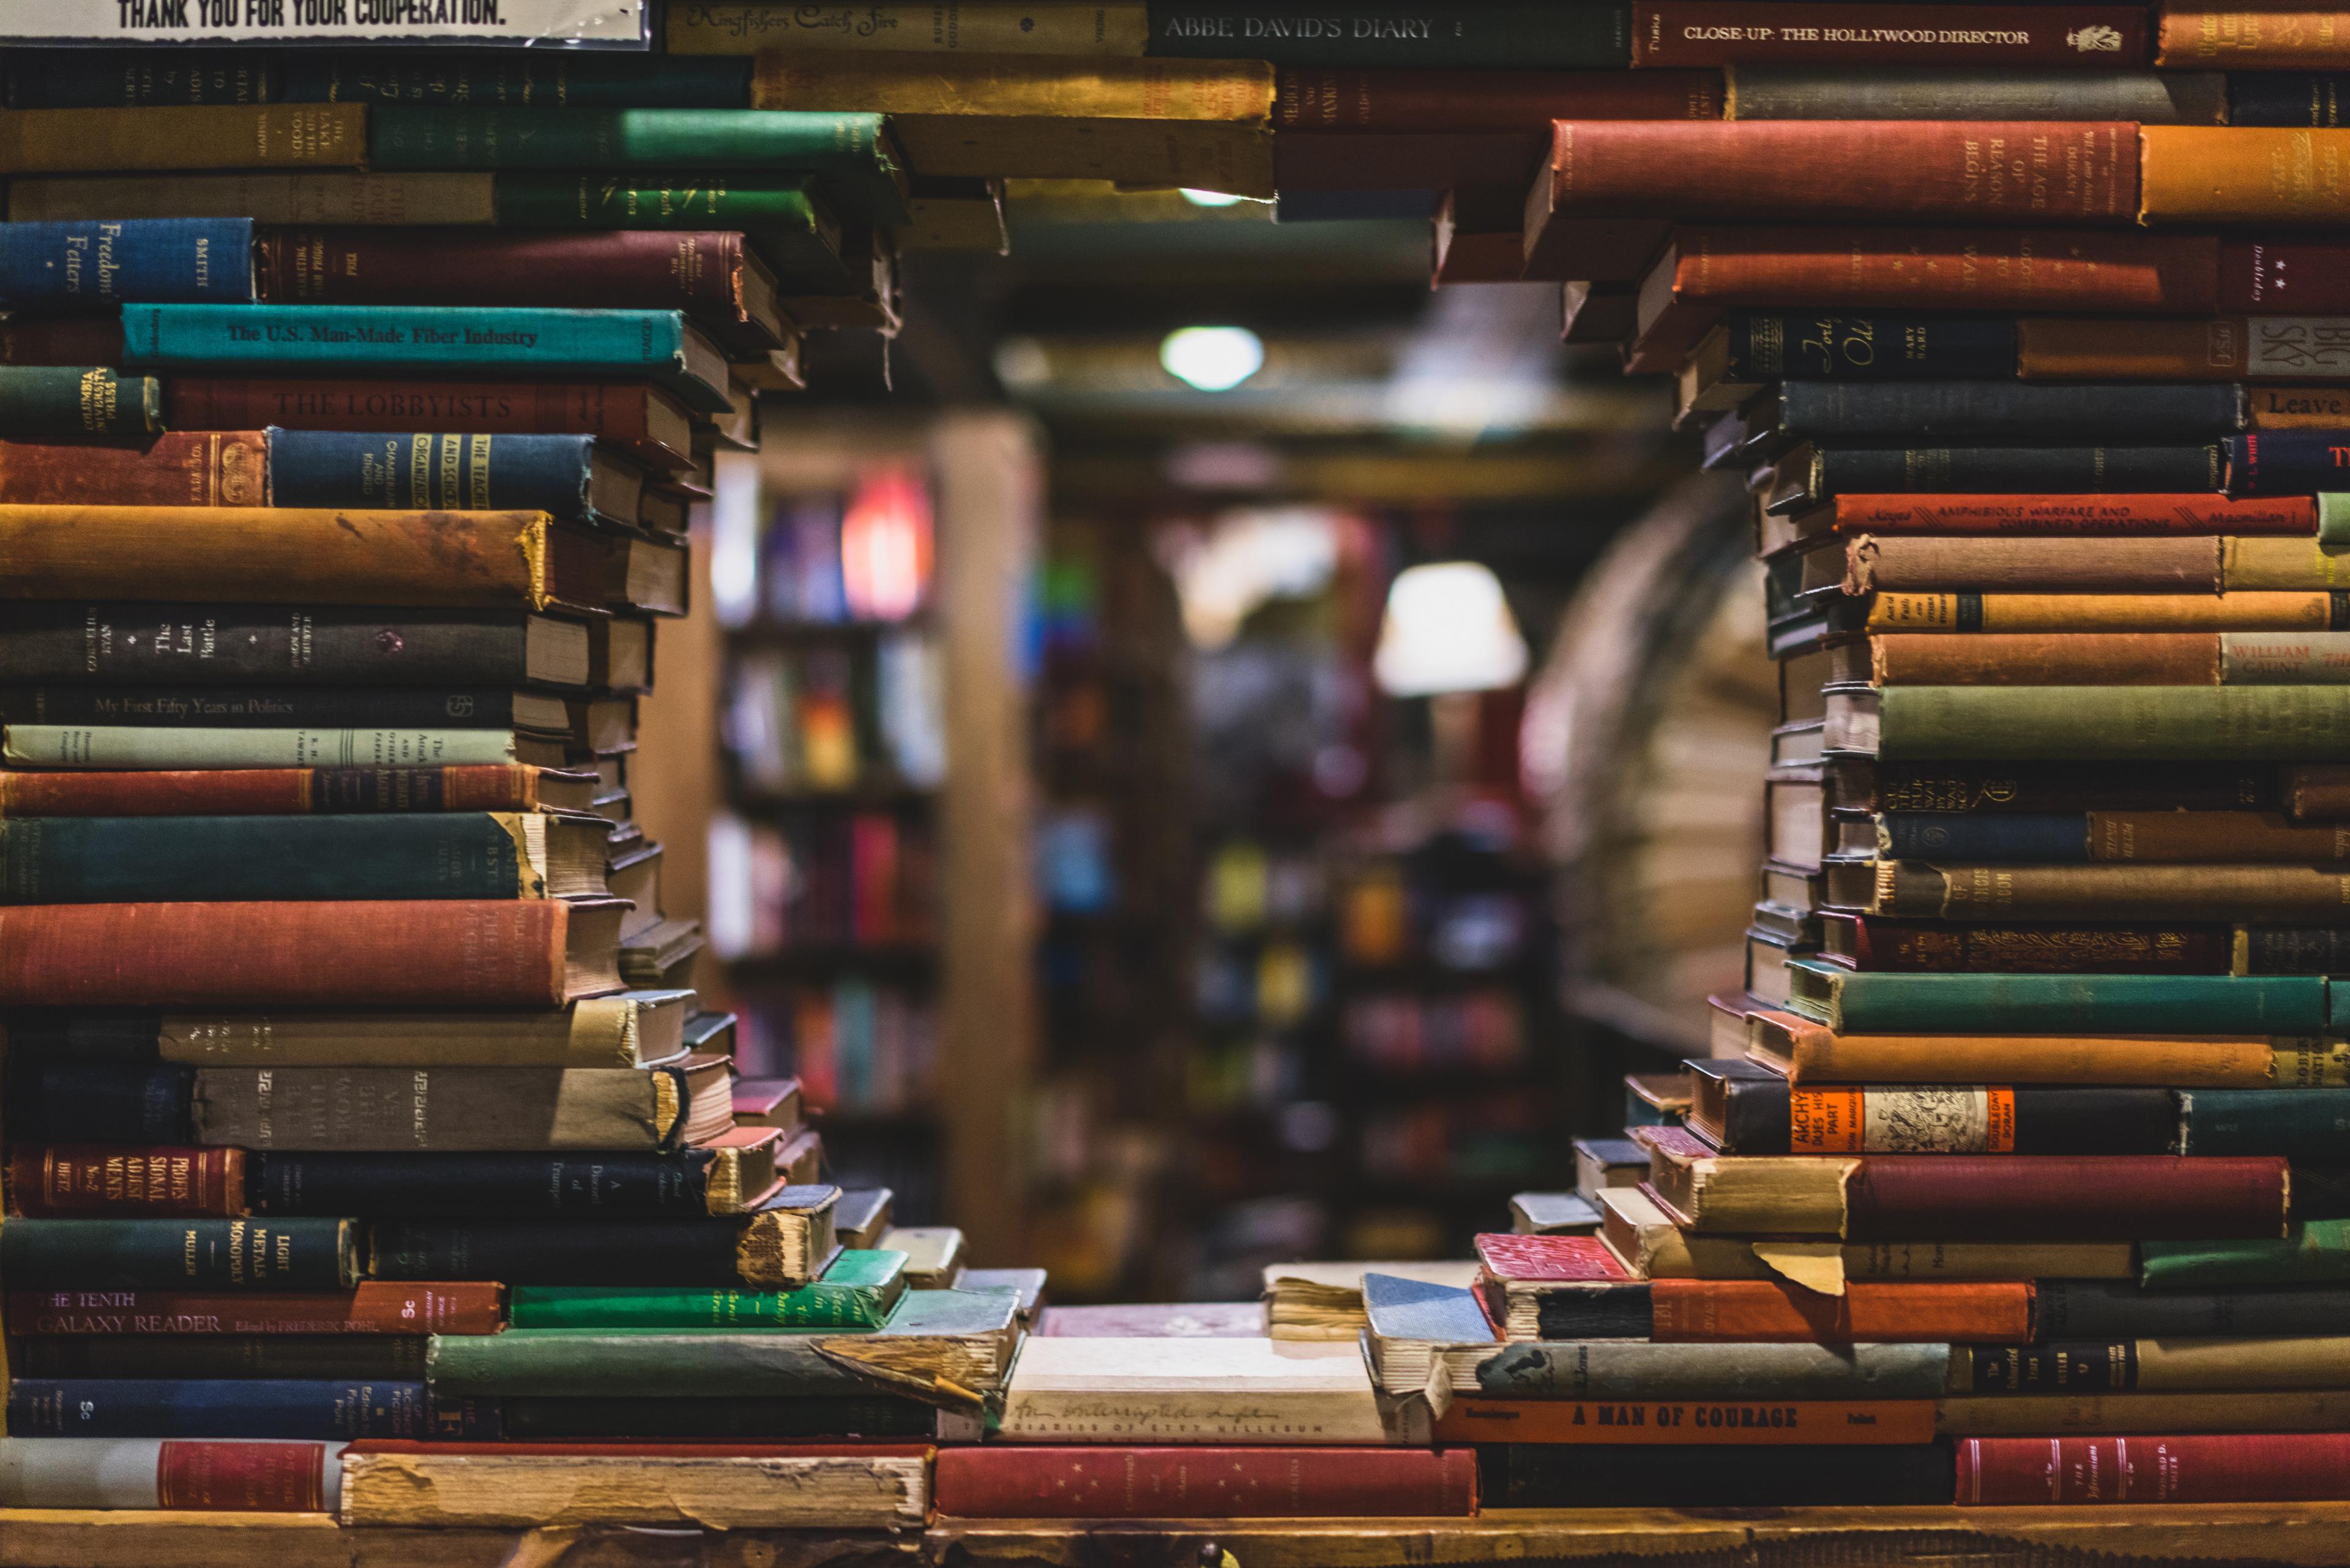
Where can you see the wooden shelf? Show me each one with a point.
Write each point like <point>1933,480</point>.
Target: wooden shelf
<point>2114,1537</point>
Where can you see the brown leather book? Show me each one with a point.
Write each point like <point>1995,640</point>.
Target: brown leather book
<point>2241,173</point>
<point>107,1180</point>
<point>1340,99</point>
<point>2094,658</point>
<point>293,792</point>
<point>204,468</point>
<point>648,423</point>
<point>2212,348</point>
<point>1686,33</point>
<point>184,136</point>
<point>2251,38</point>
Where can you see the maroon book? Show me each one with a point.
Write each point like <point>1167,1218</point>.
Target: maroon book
<point>648,423</point>
<point>2221,1467</point>
<point>1021,1481</point>
<point>1870,943</point>
<point>1686,33</point>
<point>702,272</point>
<point>1416,161</point>
<point>2069,1198</point>
<point>201,468</point>
<point>1325,99</point>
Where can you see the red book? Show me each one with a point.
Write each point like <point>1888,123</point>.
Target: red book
<point>700,273</point>
<point>647,421</point>
<point>2065,1198</point>
<point>1332,99</point>
<point>89,1180</point>
<point>1976,1312</point>
<point>1709,268</point>
<point>1548,1260</point>
<point>467,952</point>
<point>1199,1482</point>
<point>1980,172</point>
<point>1390,161</point>
<point>632,1450</point>
<point>204,468</point>
<point>2056,514</point>
<point>2231,1467</point>
<point>1871,944</point>
<point>1686,32</point>
<point>228,1476</point>
<point>283,792</point>
<point>376,1306</point>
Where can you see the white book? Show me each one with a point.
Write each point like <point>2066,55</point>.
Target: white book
<point>1191,1391</point>
<point>613,23</point>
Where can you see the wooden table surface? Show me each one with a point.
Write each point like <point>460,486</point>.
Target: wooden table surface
<point>2311,1533</point>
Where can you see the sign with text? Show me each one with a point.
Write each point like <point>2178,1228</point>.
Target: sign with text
<point>604,24</point>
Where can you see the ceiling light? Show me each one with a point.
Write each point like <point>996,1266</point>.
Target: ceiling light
<point>1448,628</point>
<point>1212,198</point>
<point>1213,359</point>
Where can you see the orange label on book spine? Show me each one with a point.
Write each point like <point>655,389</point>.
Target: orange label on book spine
<point>1690,1422</point>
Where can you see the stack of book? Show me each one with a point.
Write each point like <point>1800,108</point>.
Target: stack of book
<point>2022,1164</point>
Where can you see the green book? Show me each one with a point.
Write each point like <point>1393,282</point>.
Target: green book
<point>2170,724</point>
<point>2299,1124</point>
<point>856,1293</point>
<point>791,227</point>
<point>853,157</point>
<point>960,1340</point>
<point>1856,1003</point>
<point>2314,1252</point>
<point>179,1255</point>
<point>76,401</point>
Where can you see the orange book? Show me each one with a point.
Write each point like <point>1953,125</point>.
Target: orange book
<point>2241,173</point>
<point>2203,348</point>
<point>1688,1422</point>
<point>2251,38</point>
<point>1980,1312</point>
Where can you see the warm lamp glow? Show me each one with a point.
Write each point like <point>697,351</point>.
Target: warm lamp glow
<point>1212,359</point>
<point>885,546</point>
<point>1448,628</point>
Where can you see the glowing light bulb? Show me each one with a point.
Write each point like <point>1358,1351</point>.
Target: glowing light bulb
<point>1212,359</point>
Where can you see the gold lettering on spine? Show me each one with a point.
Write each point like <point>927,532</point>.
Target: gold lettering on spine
<point>479,458</point>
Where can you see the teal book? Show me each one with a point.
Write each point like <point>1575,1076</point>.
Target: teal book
<point>962,1340</point>
<point>2299,1124</point>
<point>1852,1002</point>
<point>854,157</point>
<point>856,1292</point>
<point>658,346</point>
<point>2312,1253</point>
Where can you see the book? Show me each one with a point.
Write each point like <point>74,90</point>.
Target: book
<point>724,1487</point>
<point>657,346</point>
<point>299,555</point>
<point>2305,348</point>
<point>636,418</point>
<point>1553,1214</point>
<point>780,1245</point>
<point>226,1408</point>
<point>343,1358</point>
<point>2281,463</point>
<point>1508,33</point>
<point>933,1253</point>
<point>2304,1124</point>
<point>1916,889</point>
<point>730,1175</point>
<point>59,642</point>
<point>2275,1410</point>
<point>1409,1323</point>
<point>445,855</point>
<point>1870,1423</point>
<point>455,953</point>
<point>1862,942</point>
<point>1052,28</point>
<point>91,266</point>
<point>1964,1198</point>
<point>153,748</point>
<point>1345,100</point>
<point>2285,97</point>
<point>2251,838</point>
<point>275,792</point>
<point>2237,1467</point>
<point>1325,1301</point>
<point>2254,40</point>
<point>1692,1311</point>
<point>953,1344</point>
<point>103,1101</point>
<point>2154,1365</point>
<point>1865,1003</point>
<point>1810,1052</point>
<point>2119,1309</point>
<point>848,1418</point>
<point>1715,33</point>
<point>857,1290</point>
<point>242,1476</point>
<point>2039,412</point>
<point>184,137</point>
<point>2312,1252</point>
<point>78,400</point>
<point>59,1181</point>
<point>1835,90</point>
<point>128,79</point>
<point>142,1254</point>
<point>1156,1320</point>
<point>1759,1112</point>
<point>1191,1391</point>
<point>323,196</point>
<point>2089,659</point>
<point>1602,1475</point>
<point>562,475</point>
<point>1096,1481</point>
<point>1814,472</point>
<point>2025,722</point>
<point>460,1109</point>
<point>180,469</point>
<point>2193,175</point>
<point>371,1307</point>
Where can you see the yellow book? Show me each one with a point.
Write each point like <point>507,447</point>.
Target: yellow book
<point>1238,92</point>
<point>331,196</point>
<point>2243,173</point>
<point>184,136</point>
<point>1038,27</point>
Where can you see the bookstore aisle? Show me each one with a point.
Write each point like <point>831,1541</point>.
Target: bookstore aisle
<point>1218,730</point>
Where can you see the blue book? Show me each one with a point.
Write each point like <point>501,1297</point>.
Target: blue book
<point>323,1410</point>
<point>413,473</point>
<point>2031,838</point>
<point>100,264</point>
<point>657,346</point>
<point>1397,1308</point>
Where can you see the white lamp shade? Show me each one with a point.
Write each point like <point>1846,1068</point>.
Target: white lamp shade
<point>1448,628</point>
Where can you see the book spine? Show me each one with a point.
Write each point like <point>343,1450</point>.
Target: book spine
<point>2071,1366</point>
<point>1900,946</point>
<point>67,1180</point>
<point>2007,171</point>
<point>2291,949</point>
<point>1488,32</point>
<point>2304,1124</point>
<point>2119,1309</point>
<point>1947,269</point>
<point>99,1102</point>
<point>2195,174</point>
<point>614,413</point>
<point>1971,1119</point>
<point>2233,1467</point>
<point>2146,659</point>
<point>140,747</point>
<point>2265,39</point>
<point>2010,408</point>
<point>1769,346</point>
<point>345,1357</point>
<point>341,196</point>
<point>1836,92</point>
<point>156,859</point>
<point>133,79</point>
<point>2227,348</point>
<point>2111,836</point>
<point>464,1110</point>
<point>800,1419</point>
<point>1635,1370</point>
<point>2095,612</point>
<point>374,1307</point>
<point>785,221</point>
<point>243,1407</point>
<point>2095,469</point>
<point>96,265</point>
<point>2270,723</point>
<point>2312,1253</point>
<point>1030,1482</point>
<point>245,1477</point>
<point>553,78</point>
<point>812,1305</point>
<point>2065,893</point>
<point>1971,1197</point>
<point>237,792</point>
<point>408,136</point>
<point>2287,97</point>
<point>207,707</point>
<point>674,1252</point>
<point>2297,408</point>
<point>57,341</point>
<point>183,137</point>
<point>205,468</point>
<point>636,1365</point>
<point>416,472</point>
<point>278,645</point>
<point>2051,839</point>
<point>480,953</point>
<point>2064,515</point>
<point>1603,1311</point>
<point>697,271</point>
<point>1331,101</point>
<point>164,1254</point>
<point>2286,462</point>
<point>1805,32</point>
<point>1910,1312</point>
<point>1562,1475</point>
<point>1821,1057</point>
<point>608,1183</point>
<point>280,338</point>
<point>37,400</point>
